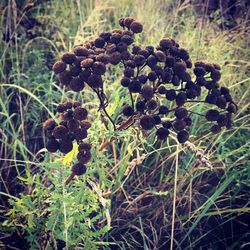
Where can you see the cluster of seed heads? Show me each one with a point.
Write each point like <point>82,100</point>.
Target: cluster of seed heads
<point>72,127</point>
<point>156,77</point>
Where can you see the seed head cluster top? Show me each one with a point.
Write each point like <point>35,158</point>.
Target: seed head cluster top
<point>156,77</point>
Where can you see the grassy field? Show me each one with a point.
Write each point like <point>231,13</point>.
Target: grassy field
<point>137,193</point>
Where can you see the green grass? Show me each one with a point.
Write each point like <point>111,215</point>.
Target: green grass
<point>172,192</point>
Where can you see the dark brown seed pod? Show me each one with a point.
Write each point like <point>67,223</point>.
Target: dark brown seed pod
<point>49,124</point>
<point>84,146</point>
<point>160,56</point>
<point>170,61</point>
<point>179,124</point>
<point>128,21</point>
<point>136,27</point>
<point>147,92</point>
<point>81,51</point>
<point>85,124</point>
<point>98,68</point>
<point>162,133</point>
<point>80,113</point>
<point>115,38</point>
<point>212,115</point>
<point>127,111</point>
<point>181,113</point>
<point>80,134</point>
<point>84,75</point>
<point>152,104</point>
<point>166,43</point>
<point>182,136</point>
<point>69,104</point>
<point>76,84</point>
<point>72,124</point>
<point>215,129</point>
<point>75,70</point>
<point>68,57</point>
<point>216,75</point>
<point>183,54</point>
<point>79,169</point>
<point>170,94</point>
<point>84,156</point>
<point>65,77</point>
<point>102,58</point>
<point>221,102</point>
<point>115,58</point>
<point>99,42</point>
<point>181,98</point>
<point>127,39</point>
<point>61,107</point>
<point>95,81</point>
<point>59,67</point>
<point>147,122</point>
<point>60,132</point>
<point>232,108</point>
<point>65,146</point>
<point>87,63</point>
<point>52,145</point>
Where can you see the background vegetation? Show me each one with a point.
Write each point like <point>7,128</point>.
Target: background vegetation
<point>136,194</point>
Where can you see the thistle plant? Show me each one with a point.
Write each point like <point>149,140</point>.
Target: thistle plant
<point>156,78</point>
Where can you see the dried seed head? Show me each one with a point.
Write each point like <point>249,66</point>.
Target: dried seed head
<point>65,77</point>
<point>127,110</point>
<point>140,106</point>
<point>95,81</point>
<point>49,124</point>
<point>216,75</point>
<point>83,146</point>
<point>179,124</point>
<point>98,68</point>
<point>87,63</point>
<point>81,51</point>
<point>68,57</point>
<point>232,108</point>
<point>84,156</point>
<point>221,102</point>
<point>181,113</point>
<point>80,134</point>
<point>65,146</point>
<point>99,42</point>
<point>182,136</point>
<point>76,84</point>
<point>212,115</point>
<point>72,124</point>
<point>170,94</point>
<point>79,169</point>
<point>215,129</point>
<point>59,67</point>
<point>52,145</point>
<point>60,132</point>
<point>128,21</point>
<point>166,43</point>
<point>61,107</point>
<point>134,86</point>
<point>147,122</point>
<point>152,104</point>
<point>180,98</point>
<point>80,113</point>
<point>162,133</point>
<point>136,27</point>
<point>147,92</point>
<point>163,110</point>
